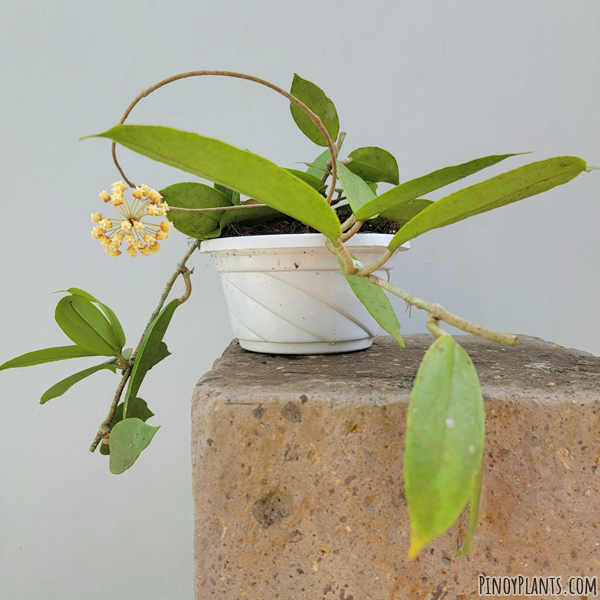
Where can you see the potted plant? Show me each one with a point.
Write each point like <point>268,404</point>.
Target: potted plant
<point>331,241</point>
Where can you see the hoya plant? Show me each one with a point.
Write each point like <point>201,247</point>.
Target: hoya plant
<point>337,197</point>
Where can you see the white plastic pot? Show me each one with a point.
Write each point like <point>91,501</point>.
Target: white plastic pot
<point>287,295</point>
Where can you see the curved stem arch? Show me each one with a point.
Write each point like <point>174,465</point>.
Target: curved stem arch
<point>312,116</point>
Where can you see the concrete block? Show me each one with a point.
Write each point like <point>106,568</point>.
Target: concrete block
<point>297,474</point>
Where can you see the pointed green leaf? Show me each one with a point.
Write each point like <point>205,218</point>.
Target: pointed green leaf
<point>376,302</point>
<point>194,195</point>
<point>356,190</point>
<point>473,511</point>
<point>159,355</point>
<point>234,197</point>
<point>150,349</point>
<point>127,441</point>
<point>313,181</point>
<point>498,191</point>
<point>62,386</point>
<point>138,409</point>
<point>428,183</point>
<point>315,98</point>
<point>374,164</point>
<point>319,163</point>
<point>39,357</point>
<point>403,213</point>
<point>237,169</point>
<point>444,440</point>
<point>116,325</point>
<point>85,325</point>
<point>372,186</point>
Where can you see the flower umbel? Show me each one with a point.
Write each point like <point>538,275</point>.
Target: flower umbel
<point>140,236</point>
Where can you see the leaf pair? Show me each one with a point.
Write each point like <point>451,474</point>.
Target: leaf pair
<point>85,325</point>
<point>94,333</point>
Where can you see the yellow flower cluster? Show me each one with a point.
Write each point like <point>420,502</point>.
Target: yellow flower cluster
<point>141,237</point>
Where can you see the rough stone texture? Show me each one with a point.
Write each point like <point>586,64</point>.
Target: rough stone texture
<point>297,467</point>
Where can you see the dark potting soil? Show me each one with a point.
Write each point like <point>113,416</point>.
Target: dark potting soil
<point>288,225</point>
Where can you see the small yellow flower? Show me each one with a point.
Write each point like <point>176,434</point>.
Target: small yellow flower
<point>138,226</point>
<point>106,223</point>
<point>154,196</point>
<point>166,225</point>
<point>138,194</point>
<point>145,251</point>
<point>98,231</point>
<point>117,200</point>
<point>132,251</point>
<point>155,247</point>
<point>129,238</point>
<point>145,189</point>
<point>96,217</point>
<point>104,195</point>
<point>149,239</point>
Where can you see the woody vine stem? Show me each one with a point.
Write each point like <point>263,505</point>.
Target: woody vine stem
<point>350,227</point>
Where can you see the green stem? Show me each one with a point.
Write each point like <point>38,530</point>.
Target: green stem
<point>438,313</point>
<point>104,429</point>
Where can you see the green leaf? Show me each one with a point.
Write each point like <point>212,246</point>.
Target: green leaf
<point>234,197</point>
<point>85,325</point>
<point>104,448</point>
<point>428,183</point>
<point>473,511</point>
<point>498,191</point>
<point>444,440</point>
<point>194,195</point>
<point>138,409</point>
<point>237,169</point>
<point>403,213</point>
<point>62,386</point>
<point>253,215</point>
<point>214,234</point>
<point>320,164</point>
<point>116,325</point>
<point>315,98</point>
<point>159,355</point>
<point>376,302</point>
<point>149,351</point>
<point>127,441</point>
<point>313,181</point>
<point>356,190</point>
<point>372,186</point>
<point>39,357</point>
<point>374,164</point>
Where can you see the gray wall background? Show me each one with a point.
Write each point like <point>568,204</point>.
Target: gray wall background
<point>436,83</point>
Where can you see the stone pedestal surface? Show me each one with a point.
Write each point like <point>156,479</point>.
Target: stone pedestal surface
<point>297,474</point>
